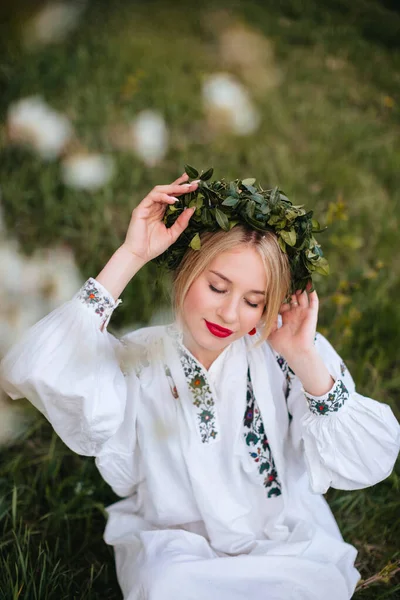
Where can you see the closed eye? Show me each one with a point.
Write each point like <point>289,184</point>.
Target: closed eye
<point>214,289</point>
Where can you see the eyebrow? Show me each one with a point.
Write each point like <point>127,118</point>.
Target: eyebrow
<point>229,281</point>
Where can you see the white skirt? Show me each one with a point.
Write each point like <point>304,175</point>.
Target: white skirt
<point>165,564</point>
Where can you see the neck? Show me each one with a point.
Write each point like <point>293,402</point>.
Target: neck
<point>204,356</point>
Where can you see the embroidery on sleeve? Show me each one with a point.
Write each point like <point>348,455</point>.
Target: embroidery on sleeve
<point>258,445</point>
<point>91,295</point>
<point>334,400</point>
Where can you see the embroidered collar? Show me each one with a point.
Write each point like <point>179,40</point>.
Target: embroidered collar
<point>206,415</point>
<point>175,331</point>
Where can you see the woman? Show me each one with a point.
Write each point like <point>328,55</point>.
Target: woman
<point>222,441</point>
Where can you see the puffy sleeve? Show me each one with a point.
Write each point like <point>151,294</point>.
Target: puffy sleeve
<point>350,441</point>
<point>67,366</point>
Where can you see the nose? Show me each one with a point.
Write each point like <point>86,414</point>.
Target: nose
<point>228,310</point>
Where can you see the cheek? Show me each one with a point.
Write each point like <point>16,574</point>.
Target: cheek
<point>196,300</point>
<point>251,317</point>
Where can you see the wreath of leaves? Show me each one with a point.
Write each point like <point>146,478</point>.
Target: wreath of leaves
<point>222,205</point>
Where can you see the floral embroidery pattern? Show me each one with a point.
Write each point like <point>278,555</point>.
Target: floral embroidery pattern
<point>172,385</point>
<point>203,400</point>
<point>91,295</point>
<point>257,442</point>
<point>335,400</point>
<point>288,373</point>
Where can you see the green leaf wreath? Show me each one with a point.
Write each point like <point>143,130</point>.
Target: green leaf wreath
<point>222,205</point>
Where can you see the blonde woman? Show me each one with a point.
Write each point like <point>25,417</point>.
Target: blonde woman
<point>221,431</point>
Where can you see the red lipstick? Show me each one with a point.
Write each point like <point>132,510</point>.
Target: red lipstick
<point>217,330</point>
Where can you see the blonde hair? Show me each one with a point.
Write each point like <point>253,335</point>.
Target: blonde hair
<point>266,244</point>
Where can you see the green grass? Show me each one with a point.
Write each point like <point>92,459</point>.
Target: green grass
<point>329,137</point>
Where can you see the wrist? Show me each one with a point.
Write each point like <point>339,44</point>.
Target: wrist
<point>119,270</point>
<point>298,358</point>
<point>133,260</point>
<point>311,371</point>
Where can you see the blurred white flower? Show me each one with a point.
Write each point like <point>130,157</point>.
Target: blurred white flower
<point>228,105</point>
<point>31,287</point>
<point>87,171</point>
<point>32,122</point>
<point>150,137</point>
<point>252,54</point>
<point>53,22</point>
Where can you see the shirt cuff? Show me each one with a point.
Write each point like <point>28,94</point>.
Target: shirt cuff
<point>329,402</point>
<point>95,297</point>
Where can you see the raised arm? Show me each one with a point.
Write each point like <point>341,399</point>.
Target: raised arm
<point>67,364</point>
<point>147,236</point>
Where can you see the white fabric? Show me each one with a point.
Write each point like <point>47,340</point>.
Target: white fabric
<point>197,522</point>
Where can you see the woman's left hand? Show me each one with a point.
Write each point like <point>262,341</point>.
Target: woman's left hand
<point>299,324</point>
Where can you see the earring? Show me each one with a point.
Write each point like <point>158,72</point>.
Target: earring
<point>253,331</point>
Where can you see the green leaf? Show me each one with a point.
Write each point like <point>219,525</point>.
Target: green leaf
<point>230,201</point>
<point>206,217</point>
<point>274,196</point>
<point>233,190</point>
<point>322,266</point>
<point>291,214</point>
<point>274,219</point>
<point>195,243</point>
<point>315,224</point>
<point>282,244</point>
<point>222,219</point>
<point>172,208</point>
<point>289,237</point>
<point>251,208</point>
<point>199,201</point>
<point>191,171</point>
<point>233,223</point>
<point>249,181</point>
<point>265,209</point>
<point>207,175</point>
<point>249,188</point>
<point>257,198</point>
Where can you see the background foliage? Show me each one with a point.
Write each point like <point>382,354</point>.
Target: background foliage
<point>326,83</point>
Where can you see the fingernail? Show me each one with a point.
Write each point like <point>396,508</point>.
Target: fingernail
<point>197,181</point>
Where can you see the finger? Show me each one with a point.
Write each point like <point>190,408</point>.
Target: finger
<point>313,300</point>
<point>302,298</point>
<point>181,223</point>
<point>160,198</point>
<point>293,302</point>
<point>173,188</point>
<point>181,179</point>
<point>284,308</point>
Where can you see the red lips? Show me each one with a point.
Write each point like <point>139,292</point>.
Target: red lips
<point>217,330</point>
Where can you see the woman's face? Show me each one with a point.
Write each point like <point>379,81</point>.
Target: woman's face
<point>229,294</point>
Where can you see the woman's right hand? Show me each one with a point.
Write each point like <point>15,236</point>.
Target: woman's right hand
<point>147,235</point>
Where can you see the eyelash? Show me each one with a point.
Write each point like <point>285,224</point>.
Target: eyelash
<point>223,292</point>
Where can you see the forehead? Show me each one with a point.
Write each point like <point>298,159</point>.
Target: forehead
<point>243,266</point>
